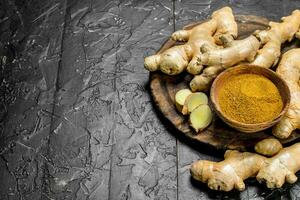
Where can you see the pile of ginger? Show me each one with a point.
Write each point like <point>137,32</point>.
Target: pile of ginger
<point>210,48</point>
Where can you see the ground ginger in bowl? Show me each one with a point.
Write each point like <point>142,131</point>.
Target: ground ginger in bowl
<point>250,99</point>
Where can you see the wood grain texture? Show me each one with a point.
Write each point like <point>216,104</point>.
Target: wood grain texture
<point>218,134</point>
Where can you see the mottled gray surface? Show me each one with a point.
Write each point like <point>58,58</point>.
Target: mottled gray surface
<point>77,121</point>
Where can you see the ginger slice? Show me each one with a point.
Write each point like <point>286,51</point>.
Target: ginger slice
<point>180,98</point>
<point>268,147</point>
<point>193,101</point>
<point>200,117</point>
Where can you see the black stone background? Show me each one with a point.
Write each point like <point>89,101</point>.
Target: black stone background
<point>76,117</point>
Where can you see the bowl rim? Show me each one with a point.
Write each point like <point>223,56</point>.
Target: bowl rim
<point>235,122</point>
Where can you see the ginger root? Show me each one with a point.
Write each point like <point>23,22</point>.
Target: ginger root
<point>227,27</point>
<point>289,70</point>
<point>176,59</point>
<point>280,168</point>
<point>236,167</point>
<point>268,147</point>
<point>193,101</point>
<point>180,98</point>
<point>200,117</point>
<point>220,59</point>
<point>203,81</point>
<point>298,34</point>
<point>266,57</point>
<point>272,39</point>
<point>229,173</point>
<point>237,51</point>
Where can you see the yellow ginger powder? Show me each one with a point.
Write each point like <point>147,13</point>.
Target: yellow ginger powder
<point>250,99</point>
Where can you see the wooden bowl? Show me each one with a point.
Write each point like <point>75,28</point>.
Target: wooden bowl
<point>249,69</point>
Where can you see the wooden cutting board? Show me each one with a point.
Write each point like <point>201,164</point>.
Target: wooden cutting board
<point>218,134</point>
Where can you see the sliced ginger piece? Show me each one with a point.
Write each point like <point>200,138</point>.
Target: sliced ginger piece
<point>180,98</point>
<point>193,101</point>
<point>200,117</point>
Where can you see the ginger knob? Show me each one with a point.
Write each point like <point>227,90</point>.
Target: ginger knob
<point>268,147</point>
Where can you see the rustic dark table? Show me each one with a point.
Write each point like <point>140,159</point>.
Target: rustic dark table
<point>76,116</point>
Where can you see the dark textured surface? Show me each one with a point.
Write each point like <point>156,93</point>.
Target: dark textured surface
<point>77,121</point>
